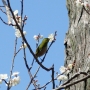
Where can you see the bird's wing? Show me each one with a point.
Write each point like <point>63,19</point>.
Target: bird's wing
<point>40,47</point>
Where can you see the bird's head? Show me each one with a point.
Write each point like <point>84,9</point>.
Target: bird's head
<point>46,40</point>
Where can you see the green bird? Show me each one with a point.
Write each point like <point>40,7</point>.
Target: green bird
<point>42,48</point>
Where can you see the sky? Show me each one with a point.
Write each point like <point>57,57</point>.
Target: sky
<point>44,17</point>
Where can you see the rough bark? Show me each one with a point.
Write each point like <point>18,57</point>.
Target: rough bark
<point>78,43</point>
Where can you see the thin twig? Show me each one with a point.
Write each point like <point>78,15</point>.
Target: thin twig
<point>2,6</point>
<point>23,43</point>
<point>3,11</point>
<point>53,82</point>
<point>8,88</point>
<point>74,76</point>
<point>25,59</point>
<point>5,81</point>
<point>22,26</point>
<point>21,15</point>
<point>3,21</point>
<point>86,10</point>
<point>32,79</point>
<point>6,23</point>
<point>13,57</point>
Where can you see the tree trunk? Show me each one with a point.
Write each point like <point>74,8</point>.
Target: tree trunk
<point>77,43</point>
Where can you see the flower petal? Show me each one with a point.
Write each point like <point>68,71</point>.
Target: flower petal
<point>15,12</point>
<point>3,76</point>
<point>15,73</point>
<point>62,78</point>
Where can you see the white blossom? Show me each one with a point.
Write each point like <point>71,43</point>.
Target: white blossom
<point>15,12</point>
<point>37,37</point>
<point>70,66</point>
<point>18,34</point>
<point>3,76</point>
<point>51,37</point>
<point>62,78</point>
<point>40,36</point>
<point>67,71</point>
<point>0,81</point>
<point>23,46</point>
<point>15,73</point>
<point>62,69</point>
<point>16,15</point>
<point>15,81</point>
<point>18,19</point>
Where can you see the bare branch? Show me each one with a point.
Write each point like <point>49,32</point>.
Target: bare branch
<point>3,21</point>
<point>74,76</point>
<point>6,23</point>
<point>5,81</point>
<point>1,6</point>
<point>32,80</point>
<point>3,11</point>
<point>13,58</point>
<point>21,15</point>
<point>72,83</point>
<point>86,10</point>
<point>8,88</point>
<point>53,82</point>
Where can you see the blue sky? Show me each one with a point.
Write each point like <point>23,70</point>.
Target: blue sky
<point>44,17</point>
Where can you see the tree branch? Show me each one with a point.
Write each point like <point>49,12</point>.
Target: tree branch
<point>72,83</point>
<point>47,69</point>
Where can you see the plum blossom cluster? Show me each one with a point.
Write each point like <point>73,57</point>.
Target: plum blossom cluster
<point>37,37</point>
<point>18,34</point>
<point>2,77</point>
<point>51,37</point>
<point>23,46</point>
<point>15,79</point>
<point>85,4</point>
<point>20,23</point>
<point>64,71</point>
<point>18,19</point>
